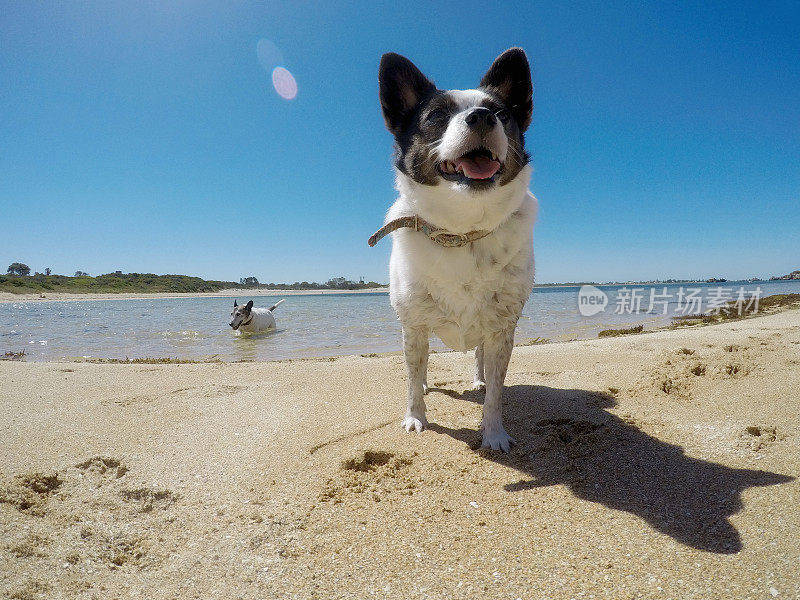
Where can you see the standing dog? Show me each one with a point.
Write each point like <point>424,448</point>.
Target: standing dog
<point>462,255</point>
<point>252,320</point>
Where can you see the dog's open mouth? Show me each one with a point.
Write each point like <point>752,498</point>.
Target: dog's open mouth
<point>479,163</point>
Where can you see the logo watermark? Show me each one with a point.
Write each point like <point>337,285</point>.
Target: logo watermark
<point>682,301</point>
<point>591,300</point>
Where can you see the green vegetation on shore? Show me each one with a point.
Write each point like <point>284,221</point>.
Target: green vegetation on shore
<point>733,310</point>
<point>120,283</point>
<point>110,284</point>
<point>618,332</point>
<point>736,310</point>
<point>148,361</point>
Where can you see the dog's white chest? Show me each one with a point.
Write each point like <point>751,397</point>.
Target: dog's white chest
<point>464,293</point>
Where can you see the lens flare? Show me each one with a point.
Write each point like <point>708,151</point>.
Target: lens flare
<point>284,83</point>
<point>269,55</point>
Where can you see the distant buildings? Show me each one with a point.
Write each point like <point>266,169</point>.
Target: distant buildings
<point>792,275</point>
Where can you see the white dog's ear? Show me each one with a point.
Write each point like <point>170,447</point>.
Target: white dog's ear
<point>509,77</point>
<point>234,304</point>
<point>402,87</point>
<point>249,305</point>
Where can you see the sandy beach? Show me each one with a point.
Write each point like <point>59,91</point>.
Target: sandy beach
<point>661,465</point>
<point>228,293</point>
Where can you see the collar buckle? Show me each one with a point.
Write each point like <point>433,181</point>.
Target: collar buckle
<point>448,239</point>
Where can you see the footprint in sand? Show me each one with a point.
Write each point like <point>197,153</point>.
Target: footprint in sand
<point>30,545</point>
<point>735,370</point>
<point>376,473</point>
<point>680,370</point>
<point>30,492</point>
<point>576,438</point>
<point>759,437</point>
<point>149,499</point>
<point>211,391</point>
<point>698,370</point>
<point>118,549</point>
<point>103,466</point>
<point>128,400</point>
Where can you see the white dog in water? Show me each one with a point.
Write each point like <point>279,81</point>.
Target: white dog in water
<point>247,319</point>
<point>462,258</point>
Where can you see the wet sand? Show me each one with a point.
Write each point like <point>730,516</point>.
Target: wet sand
<point>661,465</point>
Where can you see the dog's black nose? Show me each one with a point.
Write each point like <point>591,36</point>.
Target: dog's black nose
<point>481,119</point>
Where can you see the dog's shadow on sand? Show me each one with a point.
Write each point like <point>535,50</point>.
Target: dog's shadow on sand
<point>566,437</point>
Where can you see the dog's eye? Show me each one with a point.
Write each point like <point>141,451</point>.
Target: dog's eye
<point>437,115</point>
<point>503,115</point>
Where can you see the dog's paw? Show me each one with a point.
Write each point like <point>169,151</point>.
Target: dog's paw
<point>497,440</point>
<point>412,423</point>
<point>478,385</point>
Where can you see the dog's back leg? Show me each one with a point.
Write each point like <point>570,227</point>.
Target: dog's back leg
<point>415,349</point>
<point>479,382</point>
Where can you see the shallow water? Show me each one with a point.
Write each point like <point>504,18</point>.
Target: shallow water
<point>308,326</point>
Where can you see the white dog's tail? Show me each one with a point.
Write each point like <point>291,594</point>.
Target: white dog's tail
<point>274,306</point>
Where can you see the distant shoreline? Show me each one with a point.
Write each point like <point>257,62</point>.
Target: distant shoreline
<point>7,297</point>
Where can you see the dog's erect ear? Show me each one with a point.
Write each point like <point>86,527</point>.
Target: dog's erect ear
<point>509,77</point>
<point>402,87</point>
<point>249,306</point>
<point>234,304</point>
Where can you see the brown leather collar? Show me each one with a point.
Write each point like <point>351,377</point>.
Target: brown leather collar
<point>440,236</point>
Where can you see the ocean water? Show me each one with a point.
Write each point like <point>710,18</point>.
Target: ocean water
<point>314,325</point>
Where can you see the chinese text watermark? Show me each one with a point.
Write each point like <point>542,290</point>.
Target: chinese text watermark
<point>682,301</point>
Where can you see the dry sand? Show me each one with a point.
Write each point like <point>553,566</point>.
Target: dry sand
<point>229,293</point>
<point>661,465</point>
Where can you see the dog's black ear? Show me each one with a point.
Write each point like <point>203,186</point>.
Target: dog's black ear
<point>249,306</point>
<point>234,304</point>
<point>509,77</point>
<point>402,87</point>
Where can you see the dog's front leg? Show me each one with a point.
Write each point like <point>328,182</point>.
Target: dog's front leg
<point>415,348</point>
<point>497,353</point>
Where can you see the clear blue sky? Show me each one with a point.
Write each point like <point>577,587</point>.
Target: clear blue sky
<point>146,136</point>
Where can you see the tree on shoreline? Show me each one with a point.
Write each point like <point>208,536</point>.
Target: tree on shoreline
<point>18,268</point>
<point>335,283</point>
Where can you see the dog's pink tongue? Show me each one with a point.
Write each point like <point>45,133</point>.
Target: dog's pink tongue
<point>479,167</point>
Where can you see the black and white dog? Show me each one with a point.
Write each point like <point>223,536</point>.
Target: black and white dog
<point>247,319</point>
<point>462,257</point>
